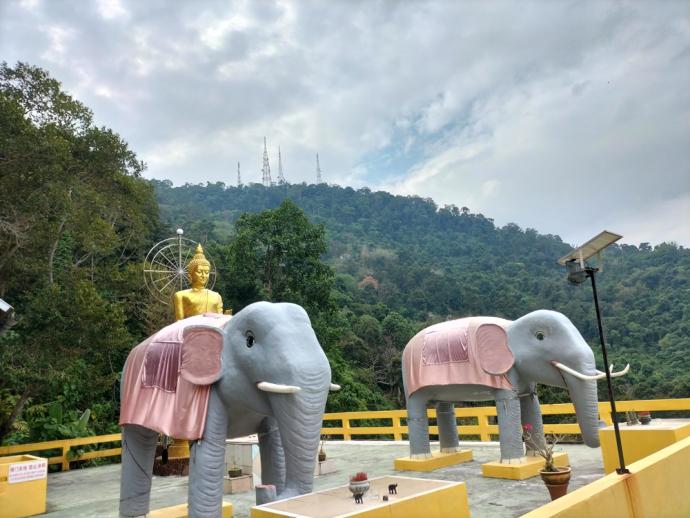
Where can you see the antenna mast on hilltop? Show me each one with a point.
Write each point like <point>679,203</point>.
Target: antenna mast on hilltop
<point>318,170</point>
<point>281,178</point>
<point>266,169</point>
<point>239,177</point>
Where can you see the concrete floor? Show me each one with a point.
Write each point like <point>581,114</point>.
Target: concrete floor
<point>94,492</point>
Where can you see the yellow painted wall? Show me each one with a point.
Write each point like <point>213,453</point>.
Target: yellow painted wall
<point>658,486</point>
<point>639,441</point>
<point>21,498</point>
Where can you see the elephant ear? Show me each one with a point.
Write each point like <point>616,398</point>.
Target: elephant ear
<point>492,348</point>
<point>201,351</point>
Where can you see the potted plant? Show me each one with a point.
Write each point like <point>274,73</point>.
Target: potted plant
<point>556,479</point>
<point>645,416</point>
<point>359,483</point>
<point>322,452</point>
<point>234,471</point>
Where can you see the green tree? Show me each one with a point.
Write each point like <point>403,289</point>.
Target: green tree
<point>74,215</point>
<point>276,255</point>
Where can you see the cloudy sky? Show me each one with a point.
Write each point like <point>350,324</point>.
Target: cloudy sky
<point>567,117</point>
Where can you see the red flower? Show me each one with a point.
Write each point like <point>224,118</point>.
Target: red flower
<point>527,427</point>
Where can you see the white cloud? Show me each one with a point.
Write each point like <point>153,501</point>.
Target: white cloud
<point>58,40</point>
<point>557,116</point>
<point>111,9</point>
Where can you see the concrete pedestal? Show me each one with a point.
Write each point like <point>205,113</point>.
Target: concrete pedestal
<point>522,470</point>
<point>240,484</point>
<point>23,485</point>
<point>640,440</point>
<point>415,497</point>
<point>180,511</point>
<point>437,460</point>
<point>324,467</point>
<point>243,452</point>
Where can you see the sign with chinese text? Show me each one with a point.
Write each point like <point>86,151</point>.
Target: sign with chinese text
<point>26,471</point>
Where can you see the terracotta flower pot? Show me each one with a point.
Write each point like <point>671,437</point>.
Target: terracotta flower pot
<point>556,481</point>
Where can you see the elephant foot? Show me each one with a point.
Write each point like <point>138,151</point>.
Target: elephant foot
<point>451,449</point>
<point>421,456</point>
<point>265,494</point>
<point>139,516</point>
<point>516,460</point>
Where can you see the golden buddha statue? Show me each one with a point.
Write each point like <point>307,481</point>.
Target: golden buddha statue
<point>187,303</point>
<point>197,299</point>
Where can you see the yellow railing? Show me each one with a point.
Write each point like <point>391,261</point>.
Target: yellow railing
<point>349,427</point>
<point>65,446</point>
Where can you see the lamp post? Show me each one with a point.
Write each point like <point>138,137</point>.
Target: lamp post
<point>578,271</point>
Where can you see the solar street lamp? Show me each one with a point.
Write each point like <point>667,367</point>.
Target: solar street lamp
<point>575,262</point>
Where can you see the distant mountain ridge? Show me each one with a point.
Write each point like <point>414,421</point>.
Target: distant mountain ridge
<point>429,263</point>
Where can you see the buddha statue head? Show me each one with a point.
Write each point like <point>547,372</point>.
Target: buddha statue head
<point>199,269</point>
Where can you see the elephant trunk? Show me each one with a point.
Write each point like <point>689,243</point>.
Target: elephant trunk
<point>299,419</point>
<point>584,396</point>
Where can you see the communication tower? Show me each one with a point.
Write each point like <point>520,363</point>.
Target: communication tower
<point>281,178</point>
<point>266,169</point>
<point>318,170</point>
<point>239,177</point>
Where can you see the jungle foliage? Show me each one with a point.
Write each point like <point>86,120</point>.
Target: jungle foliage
<point>402,263</point>
<point>75,218</point>
<point>372,269</point>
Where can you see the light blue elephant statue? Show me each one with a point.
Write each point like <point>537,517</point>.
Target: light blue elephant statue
<point>487,358</point>
<point>212,377</point>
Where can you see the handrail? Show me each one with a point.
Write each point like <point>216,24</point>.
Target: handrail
<point>482,428</point>
<point>346,430</point>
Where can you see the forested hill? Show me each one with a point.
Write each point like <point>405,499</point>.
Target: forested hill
<point>77,219</point>
<point>407,257</point>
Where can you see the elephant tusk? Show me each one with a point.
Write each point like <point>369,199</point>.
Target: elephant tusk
<point>619,373</point>
<point>585,377</point>
<point>276,388</point>
<point>334,387</point>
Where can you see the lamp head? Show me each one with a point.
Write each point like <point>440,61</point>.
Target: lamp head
<point>6,316</point>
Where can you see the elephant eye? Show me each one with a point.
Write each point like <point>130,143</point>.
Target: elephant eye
<point>539,335</point>
<point>250,339</point>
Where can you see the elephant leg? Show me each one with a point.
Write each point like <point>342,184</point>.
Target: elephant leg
<point>138,452</point>
<point>272,455</point>
<point>447,427</point>
<point>531,418</point>
<point>418,427</point>
<point>207,462</point>
<point>509,426</point>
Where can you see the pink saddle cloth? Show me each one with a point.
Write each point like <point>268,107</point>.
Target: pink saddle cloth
<point>446,354</point>
<point>153,393</point>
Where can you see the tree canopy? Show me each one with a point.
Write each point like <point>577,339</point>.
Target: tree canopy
<point>75,215</point>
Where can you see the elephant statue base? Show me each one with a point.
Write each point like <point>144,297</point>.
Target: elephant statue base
<point>182,510</point>
<point>526,467</point>
<point>437,460</point>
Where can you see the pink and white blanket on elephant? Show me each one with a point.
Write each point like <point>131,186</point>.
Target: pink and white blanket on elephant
<point>470,350</point>
<point>155,394</point>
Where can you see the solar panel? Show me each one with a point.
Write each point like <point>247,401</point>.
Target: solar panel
<point>591,247</point>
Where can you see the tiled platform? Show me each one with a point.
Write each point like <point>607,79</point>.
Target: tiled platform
<point>95,492</point>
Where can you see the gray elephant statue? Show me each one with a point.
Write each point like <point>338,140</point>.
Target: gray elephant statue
<point>487,358</point>
<point>211,377</point>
